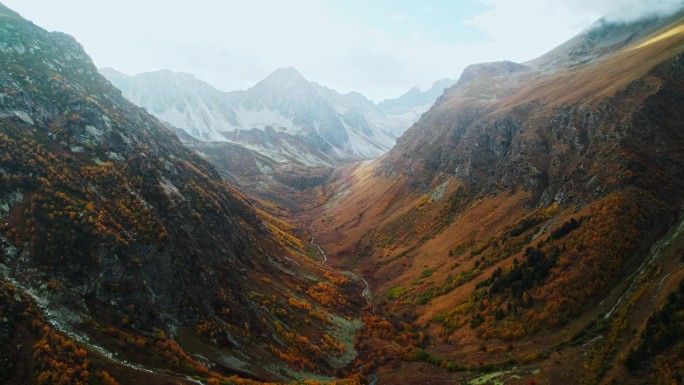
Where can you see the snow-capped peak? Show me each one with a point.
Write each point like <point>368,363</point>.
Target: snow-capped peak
<point>284,116</point>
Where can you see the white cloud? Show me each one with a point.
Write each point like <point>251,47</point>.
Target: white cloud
<point>522,32</point>
<point>233,43</point>
<point>625,10</point>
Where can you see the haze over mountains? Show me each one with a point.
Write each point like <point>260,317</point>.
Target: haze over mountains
<point>284,116</point>
<point>528,228</point>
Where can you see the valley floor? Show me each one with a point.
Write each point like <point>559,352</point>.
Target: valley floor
<point>411,338</point>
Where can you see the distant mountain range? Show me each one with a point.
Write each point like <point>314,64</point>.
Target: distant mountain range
<point>415,97</point>
<point>527,229</point>
<point>284,116</point>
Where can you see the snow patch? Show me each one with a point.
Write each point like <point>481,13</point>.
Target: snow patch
<point>363,146</point>
<point>265,170</point>
<point>263,118</point>
<point>24,117</point>
<point>94,131</point>
<point>170,190</point>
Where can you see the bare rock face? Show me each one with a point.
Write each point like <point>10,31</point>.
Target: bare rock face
<point>509,126</point>
<point>98,197</point>
<point>111,227</point>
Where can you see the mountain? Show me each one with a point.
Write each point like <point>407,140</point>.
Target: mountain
<point>530,223</point>
<point>280,137</point>
<point>284,117</point>
<point>126,258</point>
<point>527,229</point>
<point>330,123</point>
<point>180,98</point>
<point>396,115</point>
<point>415,97</point>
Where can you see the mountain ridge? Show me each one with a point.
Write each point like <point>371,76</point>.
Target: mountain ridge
<point>517,218</point>
<point>416,97</point>
<point>313,124</point>
<point>527,229</point>
<point>118,244</point>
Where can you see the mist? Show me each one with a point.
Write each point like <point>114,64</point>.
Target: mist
<point>379,50</point>
<point>626,10</point>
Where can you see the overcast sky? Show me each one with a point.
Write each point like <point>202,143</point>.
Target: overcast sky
<point>380,48</point>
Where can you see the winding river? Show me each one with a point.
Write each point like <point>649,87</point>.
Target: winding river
<point>365,293</point>
<point>366,290</point>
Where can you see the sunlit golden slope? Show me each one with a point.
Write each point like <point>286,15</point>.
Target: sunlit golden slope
<point>514,223</point>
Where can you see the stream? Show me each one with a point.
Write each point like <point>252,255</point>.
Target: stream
<point>654,255</point>
<point>52,319</point>
<point>320,250</point>
<point>365,293</point>
<point>42,304</point>
<point>366,290</point>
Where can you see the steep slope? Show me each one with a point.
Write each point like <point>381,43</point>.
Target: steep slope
<point>531,217</point>
<point>394,116</point>
<point>117,244</point>
<point>287,184</point>
<point>182,99</point>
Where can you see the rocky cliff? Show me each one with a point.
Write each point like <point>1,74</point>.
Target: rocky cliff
<point>531,222</point>
<point>111,230</point>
